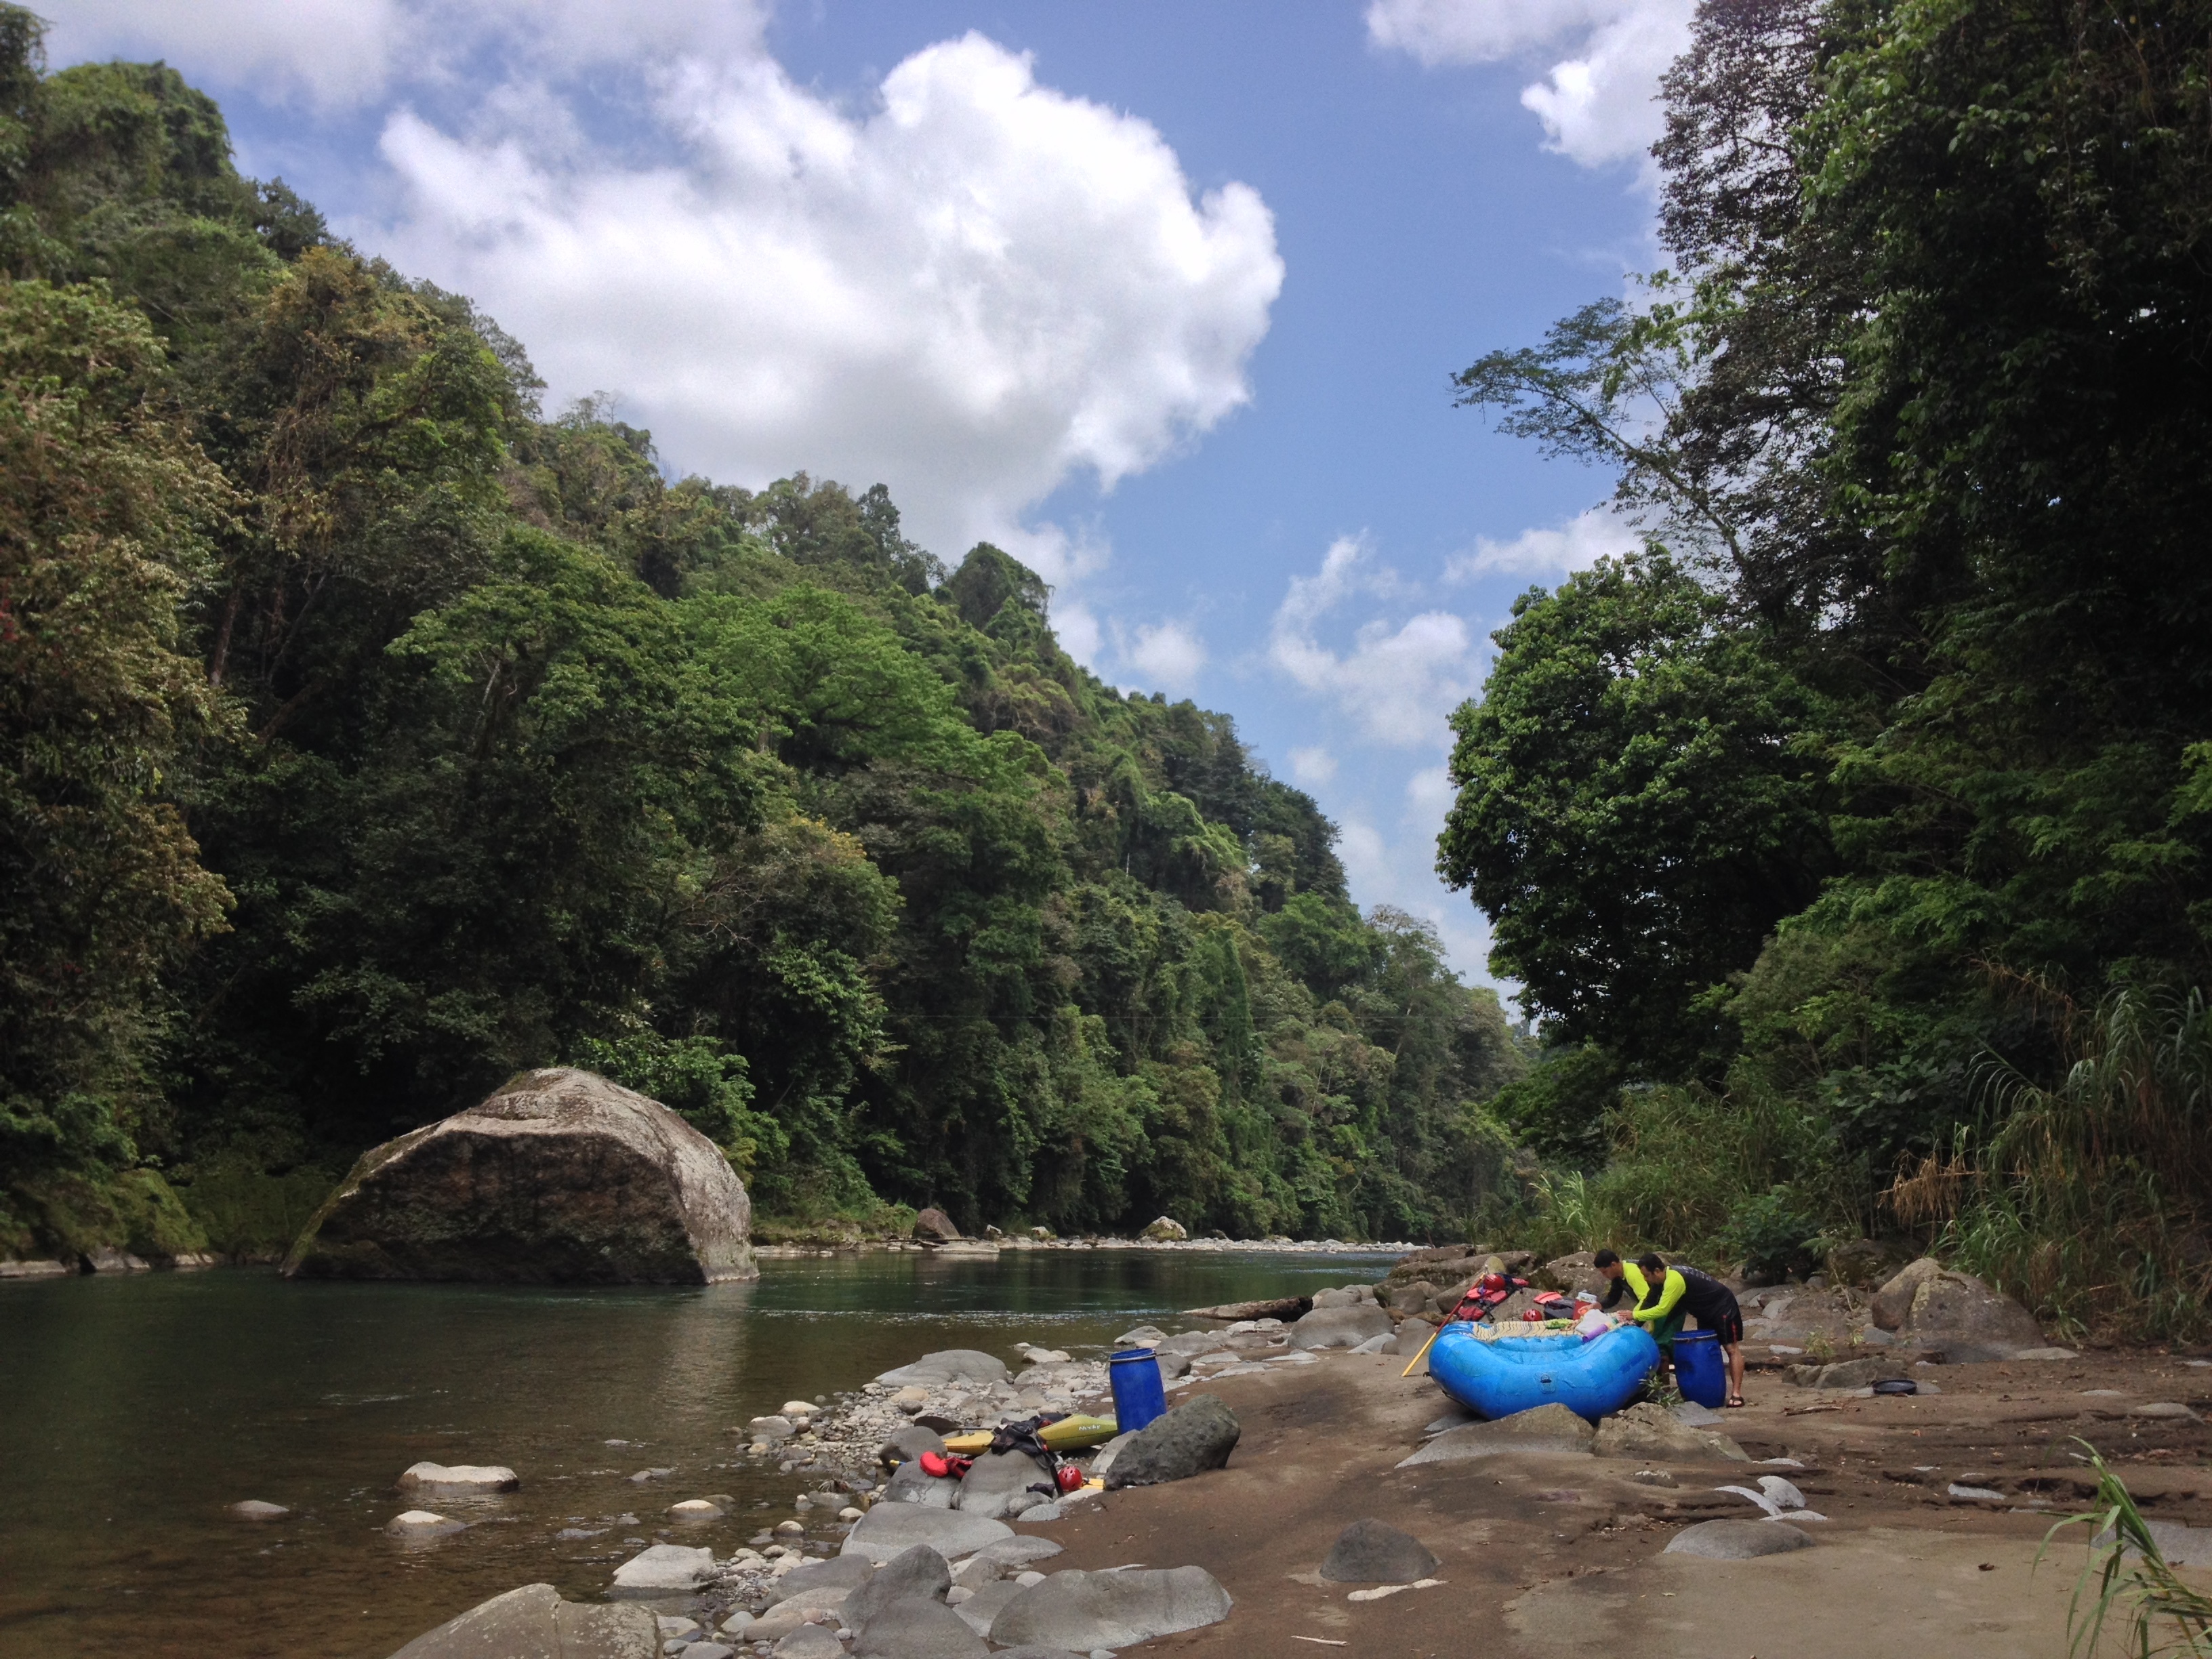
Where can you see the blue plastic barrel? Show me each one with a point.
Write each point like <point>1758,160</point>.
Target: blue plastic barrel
<point>1139,1394</point>
<point>1699,1369</point>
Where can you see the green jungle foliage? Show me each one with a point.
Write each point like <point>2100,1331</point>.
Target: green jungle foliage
<point>366,736</point>
<point>1816,830</point>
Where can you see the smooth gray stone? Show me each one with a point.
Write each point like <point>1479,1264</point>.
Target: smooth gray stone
<point>999,1481</point>
<point>1548,1430</point>
<point>1737,1540</point>
<point>810,1641</point>
<point>889,1529</point>
<point>1087,1610</point>
<point>948,1365</point>
<point>836,1572</point>
<point>708,1650</point>
<point>1370,1552</point>
<point>918,1630</point>
<point>1339,1327</point>
<point>918,1574</point>
<point>1019,1552</point>
<point>981,1608</point>
<point>1189,1440</point>
<point>1697,1416</point>
<point>663,1568</point>
<point>909,1484</point>
<point>535,1623</point>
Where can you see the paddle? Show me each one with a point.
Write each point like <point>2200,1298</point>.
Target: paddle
<point>1416,1359</point>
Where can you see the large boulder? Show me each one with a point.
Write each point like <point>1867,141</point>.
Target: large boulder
<point>1339,1327</point>
<point>1193,1437</point>
<point>934,1226</point>
<point>918,1573</point>
<point>535,1620</point>
<point>837,1572</point>
<point>559,1178</point>
<point>1086,1610</point>
<point>1928,1302</point>
<point>1281,1307</point>
<point>1166,1230</point>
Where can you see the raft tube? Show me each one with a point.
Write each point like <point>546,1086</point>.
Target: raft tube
<point>1510,1374</point>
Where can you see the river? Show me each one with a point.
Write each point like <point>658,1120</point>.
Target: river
<point>134,1409</point>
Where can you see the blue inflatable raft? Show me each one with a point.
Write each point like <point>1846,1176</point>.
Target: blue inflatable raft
<point>1510,1374</point>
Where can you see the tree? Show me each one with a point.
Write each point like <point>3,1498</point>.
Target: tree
<point>1638,806</point>
<point>105,512</point>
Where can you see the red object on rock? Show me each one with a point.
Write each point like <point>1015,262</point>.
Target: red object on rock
<point>1068,1477</point>
<point>936,1463</point>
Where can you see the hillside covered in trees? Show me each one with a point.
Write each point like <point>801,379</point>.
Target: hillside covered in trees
<point>366,734</point>
<point>1854,841</point>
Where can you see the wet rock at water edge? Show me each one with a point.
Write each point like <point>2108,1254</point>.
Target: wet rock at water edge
<point>423,1523</point>
<point>946,1366</point>
<point>695,1509</point>
<point>458,1480</point>
<point>835,1572</point>
<point>1143,1336</point>
<point>662,1569</point>
<point>1546,1430</point>
<point>934,1226</point>
<point>1737,1540</point>
<point>1370,1552</point>
<point>1166,1230</point>
<point>1339,1327</point>
<point>559,1178</point>
<point>1281,1307</point>
<point>534,1620</point>
<point>1087,1610</point>
<point>254,1510</point>
<point>1193,1437</point>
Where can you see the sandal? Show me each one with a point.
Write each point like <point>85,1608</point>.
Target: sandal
<point>1735,1405</point>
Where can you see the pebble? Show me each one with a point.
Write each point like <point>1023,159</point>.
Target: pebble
<point>676,1626</point>
<point>798,1408</point>
<point>1025,1579</point>
<point>695,1509</point>
<point>421,1523</point>
<point>848,1513</point>
<point>2173,1408</point>
<point>790,1529</point>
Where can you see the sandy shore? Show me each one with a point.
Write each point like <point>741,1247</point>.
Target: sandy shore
<point>1560,1555</point>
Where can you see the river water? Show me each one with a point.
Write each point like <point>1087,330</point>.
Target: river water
<point>135,1409</point>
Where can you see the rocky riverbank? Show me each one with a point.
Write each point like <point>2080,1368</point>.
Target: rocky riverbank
<point>1302,1478</point>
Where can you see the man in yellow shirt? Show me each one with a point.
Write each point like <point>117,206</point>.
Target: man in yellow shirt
<point>1665,1297</point>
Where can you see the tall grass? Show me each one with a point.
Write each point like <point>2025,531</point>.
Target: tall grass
<point>1686,1166</point>
<point>2127,1570</point>
<point>2090,1199</point>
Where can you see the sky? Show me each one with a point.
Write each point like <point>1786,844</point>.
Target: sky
<point>1163,296</point>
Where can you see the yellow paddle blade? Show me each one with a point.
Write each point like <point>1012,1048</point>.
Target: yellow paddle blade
<point>973,1443</point>
<point>1074,1433</point>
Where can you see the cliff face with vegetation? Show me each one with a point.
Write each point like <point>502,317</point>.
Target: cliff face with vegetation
<point>1854,841</point>
<point>368,735</point>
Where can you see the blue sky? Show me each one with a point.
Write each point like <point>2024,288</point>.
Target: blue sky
<point>1162,297</point>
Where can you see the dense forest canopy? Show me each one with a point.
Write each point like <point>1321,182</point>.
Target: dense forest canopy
<point>1854,841</point>
<point>370,734</point>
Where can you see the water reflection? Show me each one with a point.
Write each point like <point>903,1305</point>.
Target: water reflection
<point>137,1408</point>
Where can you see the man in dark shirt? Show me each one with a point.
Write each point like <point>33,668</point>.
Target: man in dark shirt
<point>1672,1293</point>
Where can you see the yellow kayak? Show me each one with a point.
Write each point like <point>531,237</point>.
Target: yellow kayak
<point>1069,1434</point>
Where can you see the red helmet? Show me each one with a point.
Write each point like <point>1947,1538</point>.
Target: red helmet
<point>1067,1477</point>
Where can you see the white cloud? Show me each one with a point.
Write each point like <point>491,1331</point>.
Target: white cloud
<point>338,54</point>
<point>1398,682</point>
<point>1315,765</point>
<point>1575,546</point>
<point>1168,654</point>
<point>1429,793</point>
<point>971,294</point>
<point>1598,103</point>
<point>1077,628</point>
